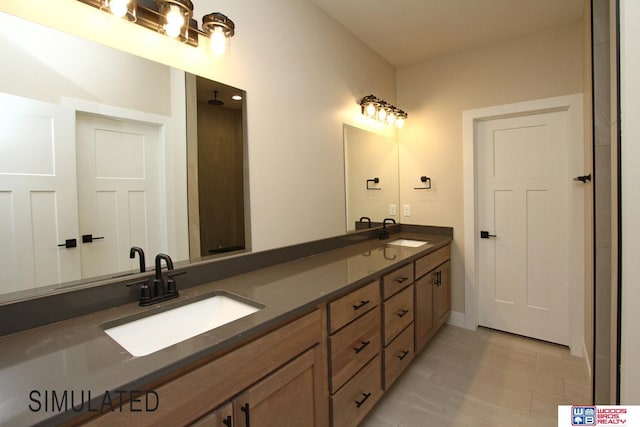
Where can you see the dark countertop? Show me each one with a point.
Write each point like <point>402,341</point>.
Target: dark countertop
<point>76,355</point>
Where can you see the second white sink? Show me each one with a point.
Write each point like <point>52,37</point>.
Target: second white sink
<point>152,333</point>
<point>408,243</point>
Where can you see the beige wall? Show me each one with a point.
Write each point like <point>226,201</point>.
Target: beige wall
<point>303,74</point>
<point>435,94</point>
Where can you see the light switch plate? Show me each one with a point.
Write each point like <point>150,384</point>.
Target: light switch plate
<point>406,210</point>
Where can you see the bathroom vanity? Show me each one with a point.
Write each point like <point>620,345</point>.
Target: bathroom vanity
<point>333,332</point>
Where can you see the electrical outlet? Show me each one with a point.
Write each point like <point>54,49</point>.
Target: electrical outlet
<point>406,210</point>
<point>393,209</point>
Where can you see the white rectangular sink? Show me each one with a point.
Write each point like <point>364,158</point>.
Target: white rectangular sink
<point>155,332</point>
<point>408,243</point>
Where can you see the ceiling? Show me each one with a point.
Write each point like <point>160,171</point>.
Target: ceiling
<point>407,32</point>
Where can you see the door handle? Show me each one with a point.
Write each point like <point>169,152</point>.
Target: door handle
<point>88,238</point>
<point>583,178</point>
<point>69,243</point>
<point>486,235</point>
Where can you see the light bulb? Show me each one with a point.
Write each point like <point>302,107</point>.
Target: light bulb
<point>400,122</point>
<point>371,110</point>
<point>175,22</point>
<point>218,41</point>
<point>391,118</point>
<point>382,114</point>
<point>119,8</point>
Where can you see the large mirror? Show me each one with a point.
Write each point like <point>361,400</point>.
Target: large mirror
<point>371,177</point>
<point>94,159</point>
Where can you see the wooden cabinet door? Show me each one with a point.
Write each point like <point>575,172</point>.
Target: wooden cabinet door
<point>221,417</point>
<point>442,294</point>
<point>285,398</point>
<point>424,309</point>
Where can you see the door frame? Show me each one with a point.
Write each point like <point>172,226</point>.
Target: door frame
<point>174,180</point>
<point>573,105</point>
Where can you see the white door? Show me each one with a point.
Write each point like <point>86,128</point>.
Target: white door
<point>523,201</point>
<point>38,210</point>
<point>121,203</point>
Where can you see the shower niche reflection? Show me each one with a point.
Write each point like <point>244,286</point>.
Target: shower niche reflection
<point>216,172</point>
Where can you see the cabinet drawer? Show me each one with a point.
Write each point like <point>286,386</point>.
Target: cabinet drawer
<point>353,346</point>
<point>398,313</point>
<point>431,261</point>
<point>350,405</point>
<point>353,305</point>
<point>396,280</point>
<point>397,356</point>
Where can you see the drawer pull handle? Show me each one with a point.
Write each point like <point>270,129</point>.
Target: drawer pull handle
<point>247,414</point>
<point>362,304</point>
<point>227,421</point>
<point>402,279</point>
<point>401,313</point>
<point>364,344</point>
<point>404,354</point>
<point>360,402</point>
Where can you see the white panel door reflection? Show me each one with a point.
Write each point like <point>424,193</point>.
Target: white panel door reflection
<point>38,208</point>
<point>120,181</point>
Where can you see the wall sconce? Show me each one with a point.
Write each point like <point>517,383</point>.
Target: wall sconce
<point>173,18</point>
<point>382,111</point>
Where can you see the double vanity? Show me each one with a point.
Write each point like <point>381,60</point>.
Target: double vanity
<point>316,339</point>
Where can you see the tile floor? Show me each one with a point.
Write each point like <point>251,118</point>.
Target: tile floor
<point>483,378</point>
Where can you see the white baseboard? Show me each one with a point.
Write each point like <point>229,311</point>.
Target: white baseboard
<point>456,319</point>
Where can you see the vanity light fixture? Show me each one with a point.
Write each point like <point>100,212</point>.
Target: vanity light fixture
<point>173,18</point>
<point>220,29</point>
<point>382,111</point>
